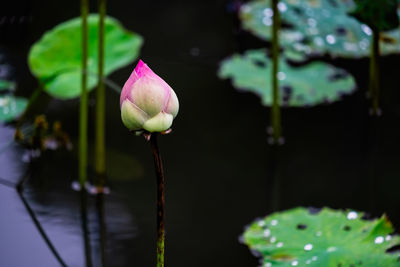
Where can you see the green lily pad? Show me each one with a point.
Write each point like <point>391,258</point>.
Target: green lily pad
<point>11,107</point>
<point>7,85</point>
<point>308,85</point>
<point>330,238</point>
<point>317,27</point>
<point>56,58</point>
<point>256,17</point>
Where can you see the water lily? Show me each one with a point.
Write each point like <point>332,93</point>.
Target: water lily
<point>147,102</point>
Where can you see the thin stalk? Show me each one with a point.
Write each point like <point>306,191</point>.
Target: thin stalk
<point>83,114</point>
<point>160,201</point>
<point>275,112</point>
<point>374,134</point>
<point>374,86</point>
<point>371,83</point>
<point>100,132</point>
<point>100,102</point>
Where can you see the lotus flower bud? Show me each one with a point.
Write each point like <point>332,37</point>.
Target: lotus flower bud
<point>147,102</point>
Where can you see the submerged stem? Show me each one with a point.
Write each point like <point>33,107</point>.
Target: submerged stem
<point>83,119</point>
<point>374,86</point>
<point>83,110</point>
<point>100,101</point>
<point>160,200</point>
<point>275,111</point>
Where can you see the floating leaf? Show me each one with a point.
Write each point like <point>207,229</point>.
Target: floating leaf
<point>56,58</point>
<point>317,27</point>
<point>256,17</point>
<point>330,238</point>
<point>7,85</point>
<point>11,107</point>
<point>312,84</point>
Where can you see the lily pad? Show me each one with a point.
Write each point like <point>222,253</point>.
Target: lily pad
<point>308,85</point>
<point>56,58</point>
<point>317,27</point>
<point>7,85</point>
<point>330,238</point>
<point>11,107</point>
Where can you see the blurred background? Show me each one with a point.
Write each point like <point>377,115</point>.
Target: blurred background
<point>220,170</point>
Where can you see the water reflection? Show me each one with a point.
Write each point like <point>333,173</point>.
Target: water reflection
<point>49,211</point>
<point>81,240</point>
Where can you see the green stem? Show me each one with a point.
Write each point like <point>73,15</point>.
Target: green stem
<point>275,112</point>
<point>100,103</point>
<point>160,200</point>
<point>374,86</point>
<point>371,72</point>
<point>83,112</point>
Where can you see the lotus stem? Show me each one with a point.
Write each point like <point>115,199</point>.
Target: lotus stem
<point>160,200</point>
<point>275,111</point>
<point>83,111</point>
<point>100,150</point>
<point>100,102</point>
<point>374,82</point>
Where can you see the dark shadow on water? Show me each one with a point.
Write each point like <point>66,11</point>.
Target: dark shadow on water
<point>20,189</point>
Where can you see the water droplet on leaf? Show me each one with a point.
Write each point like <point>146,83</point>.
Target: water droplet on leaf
<point>308,247</point>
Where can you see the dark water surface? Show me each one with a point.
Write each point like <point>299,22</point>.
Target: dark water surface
<point>218,173</point>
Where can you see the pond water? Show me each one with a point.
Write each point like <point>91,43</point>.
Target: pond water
<point>219,167</point>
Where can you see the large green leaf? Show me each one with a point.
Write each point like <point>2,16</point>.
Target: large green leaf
<point>56,58</point>
<point>330,238</point>
<point>308,85</point>
<point>11,107</point>
<point>317,27</point>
